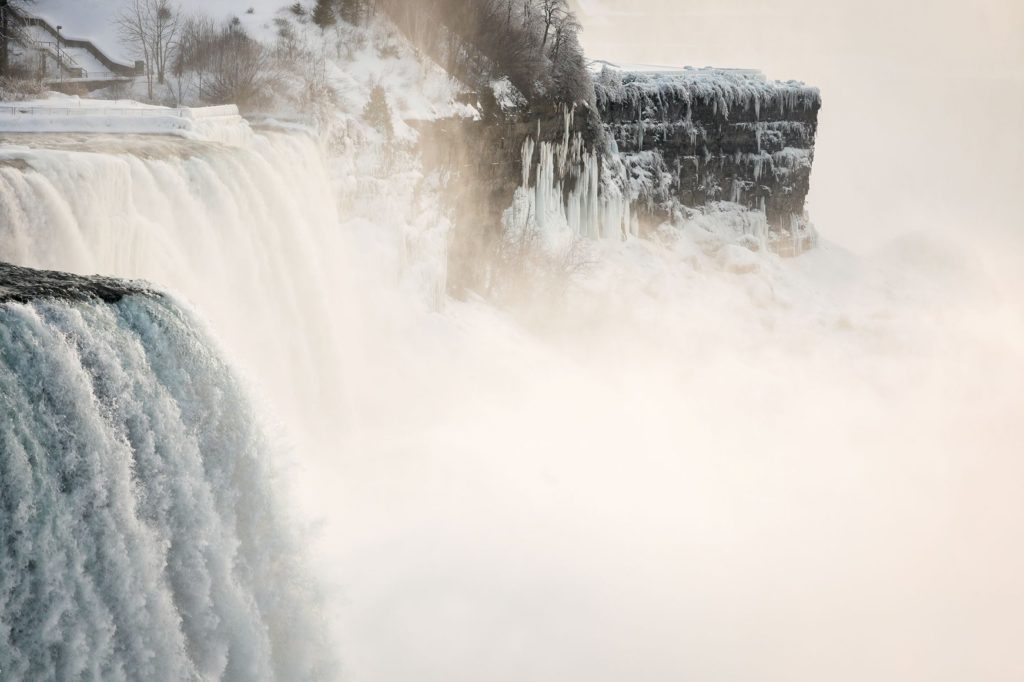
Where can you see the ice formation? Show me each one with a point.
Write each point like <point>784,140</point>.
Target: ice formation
<point>680,143</point>
<point>686,140</point>
<point>572,194</point>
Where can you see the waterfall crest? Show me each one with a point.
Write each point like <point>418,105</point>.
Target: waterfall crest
<point>248,234</point>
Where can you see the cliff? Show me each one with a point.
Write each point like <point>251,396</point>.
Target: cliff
<point>484,163</point>
<point>727,147</point>
<point>692,137</point>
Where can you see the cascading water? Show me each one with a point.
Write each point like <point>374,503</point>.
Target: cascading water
<point>696,449</point>
<point>141,537</point>
<point>248,233</point>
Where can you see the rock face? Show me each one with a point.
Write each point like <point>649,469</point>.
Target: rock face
<point>482,162</point>
<point>693,137</point>
<point>23,285</point>
<point>657,147</point>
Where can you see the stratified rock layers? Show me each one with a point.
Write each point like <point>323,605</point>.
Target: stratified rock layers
<point>693,137</point>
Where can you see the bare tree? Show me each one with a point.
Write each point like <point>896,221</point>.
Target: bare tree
<point>551,11</point>
<point>10,30</point>
<point>192,54</point>
<point>242,68</point>
<point>150,28</point>
<point>567,30</point>
<point>534,43</point>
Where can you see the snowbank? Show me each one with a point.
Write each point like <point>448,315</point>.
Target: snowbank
<point>78,115</point>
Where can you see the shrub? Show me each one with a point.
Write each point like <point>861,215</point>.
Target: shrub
<point>15,89</point>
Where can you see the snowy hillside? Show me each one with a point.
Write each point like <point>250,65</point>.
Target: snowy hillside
<point>310,67</point>
<point>94,19</point>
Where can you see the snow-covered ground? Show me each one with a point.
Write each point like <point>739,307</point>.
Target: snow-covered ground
<point>729,88</point>
<point>377,55</point>
<point>73,114</point>
<point>334,77</point>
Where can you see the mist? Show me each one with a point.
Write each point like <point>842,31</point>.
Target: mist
<point>920,126</point>
<point>808,471</point>
<point>677,459</point>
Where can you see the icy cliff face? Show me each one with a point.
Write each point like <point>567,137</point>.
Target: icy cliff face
<point>141,538</point>
<point>725,150</point>
<point>691,138</point>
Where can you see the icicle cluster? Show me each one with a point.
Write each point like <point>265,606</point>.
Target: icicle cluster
<point>573,194</point>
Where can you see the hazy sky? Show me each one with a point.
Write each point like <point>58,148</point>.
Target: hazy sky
<point>924,99</point>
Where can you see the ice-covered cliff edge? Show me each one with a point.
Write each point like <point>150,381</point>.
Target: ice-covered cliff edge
<point>691,138</point>
<point>726,150</point>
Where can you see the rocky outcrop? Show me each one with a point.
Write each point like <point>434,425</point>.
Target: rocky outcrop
<point>692,137</point>
<point>22,285</point>
<point>657,147</point>
<point>482,162</point>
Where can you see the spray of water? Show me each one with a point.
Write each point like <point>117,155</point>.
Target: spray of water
<point>682,464</point>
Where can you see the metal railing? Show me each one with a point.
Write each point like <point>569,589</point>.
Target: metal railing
<point>85,75</point>
<point>114,65</point>
<point>65,62</point>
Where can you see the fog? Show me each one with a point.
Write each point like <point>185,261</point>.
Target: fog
<point>920,127</point>
<point>667,467</point>
<point>807,472</point>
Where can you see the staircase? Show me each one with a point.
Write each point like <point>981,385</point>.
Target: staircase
<point>56,46</point>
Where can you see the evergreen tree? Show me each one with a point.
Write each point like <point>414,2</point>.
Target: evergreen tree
<point>323,13</point>
<point>378,112</point>
<point>352,11</point>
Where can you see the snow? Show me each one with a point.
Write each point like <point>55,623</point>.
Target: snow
<point>726,89</point>
<point>63,113</point>
<point>507,95</point>
<point>378,54</point>
<point>350,60</point>
<point>79,57</point>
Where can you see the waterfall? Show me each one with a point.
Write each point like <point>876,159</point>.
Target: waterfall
<point>141,538</point>
<point>247,233</point>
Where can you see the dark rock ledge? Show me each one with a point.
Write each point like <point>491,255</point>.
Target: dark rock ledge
<point>23,285</point>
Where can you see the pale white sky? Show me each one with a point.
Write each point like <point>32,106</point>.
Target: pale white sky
<point>924,99</point>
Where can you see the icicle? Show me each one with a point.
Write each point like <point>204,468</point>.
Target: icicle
<point>528,146</point>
